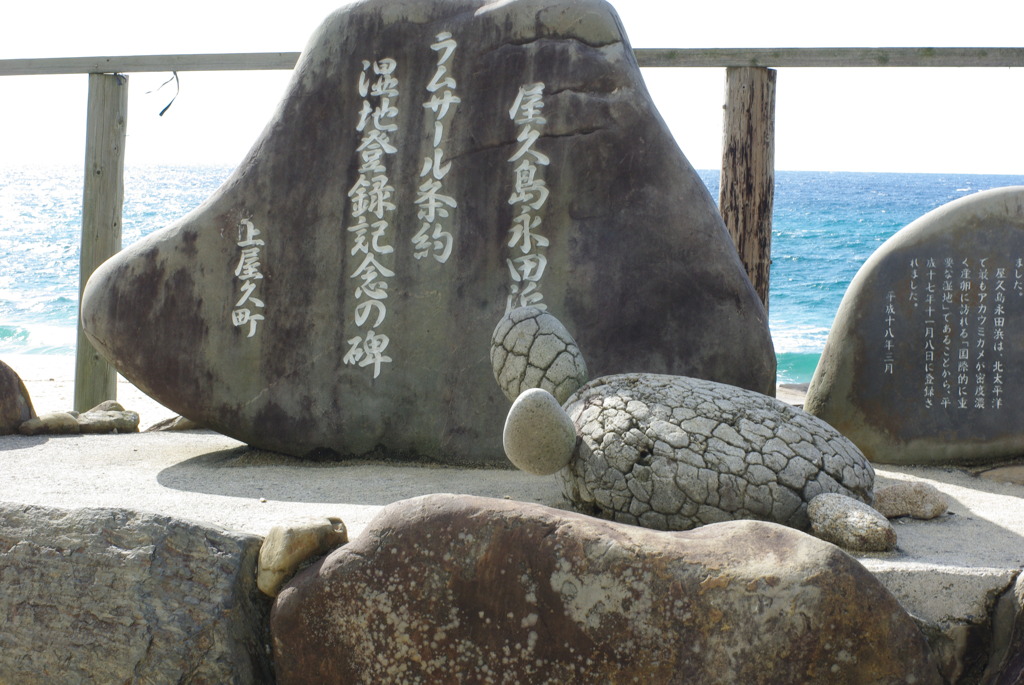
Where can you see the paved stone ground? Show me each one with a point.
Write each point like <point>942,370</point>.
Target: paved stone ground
<point>204,476</point>
<point>947,570</point>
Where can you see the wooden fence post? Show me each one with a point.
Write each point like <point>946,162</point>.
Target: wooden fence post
<point>102,199</point>
<point>747,189</point>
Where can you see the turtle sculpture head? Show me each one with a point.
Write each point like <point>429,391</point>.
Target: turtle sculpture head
<point>664,452</point>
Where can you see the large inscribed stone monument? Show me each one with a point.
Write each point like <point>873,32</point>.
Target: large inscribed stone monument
<point>924,361</point>
<point>432,166</point>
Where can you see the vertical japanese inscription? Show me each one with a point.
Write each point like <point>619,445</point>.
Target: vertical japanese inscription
<point>948,311</point>
<point>998,339</point>
<point>888,337</point>
<point>433,239</point>
<point>248,307</point>
<point>372,209</point>
<point>373,198</point>
<point>930,310</point>
<point>527,261</point>
<point>960,304</point>
<point>982,322</point>
<point>963,357</point>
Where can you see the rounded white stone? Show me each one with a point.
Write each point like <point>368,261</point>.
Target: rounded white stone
<point>539,437</point>
<point>850,524</point>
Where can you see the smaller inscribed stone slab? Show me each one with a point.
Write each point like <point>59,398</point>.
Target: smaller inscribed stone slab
<point>432,166</point>
<point>925,359</point>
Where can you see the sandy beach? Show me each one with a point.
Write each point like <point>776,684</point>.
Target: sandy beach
<point>50,380</point>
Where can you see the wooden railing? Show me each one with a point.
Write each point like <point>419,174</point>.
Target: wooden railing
<point>645,57</point>
<point>746,188</point>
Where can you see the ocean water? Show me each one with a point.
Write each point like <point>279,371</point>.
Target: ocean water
<point>825,226</point>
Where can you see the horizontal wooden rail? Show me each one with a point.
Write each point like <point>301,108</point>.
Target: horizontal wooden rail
<point>244,61</point>
<point>832,57</point>
<point>646,57</point>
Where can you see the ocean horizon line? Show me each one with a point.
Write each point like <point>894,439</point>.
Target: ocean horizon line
<point>826,224</point>
<point>8,166</point>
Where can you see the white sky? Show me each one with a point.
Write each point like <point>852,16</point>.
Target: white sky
<point>931,120</point>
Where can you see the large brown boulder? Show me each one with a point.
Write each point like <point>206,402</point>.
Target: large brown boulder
<point>432,166</point>
<point>456,589</point>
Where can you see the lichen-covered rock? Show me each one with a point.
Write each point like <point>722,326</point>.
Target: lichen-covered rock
<point>915,499</point>
<point>670,452</point>
<point>117,596</point>
<point>448,589</point>
<point>112,421</point>
<point>539,437</point>
<point>15,403</point>
<point>850,523</point>
<point>108,405</point>
<point>288,547</point>
<point>106,417</point>
<point>532,349</point>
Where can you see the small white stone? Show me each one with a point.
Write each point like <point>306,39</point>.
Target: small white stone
<point>288,547</point>
<point>915,499</point>
<point>539,437</point>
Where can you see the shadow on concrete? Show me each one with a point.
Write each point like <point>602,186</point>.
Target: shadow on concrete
<point>21,442</point>
<point>249,473</point>
<point>983,529</point>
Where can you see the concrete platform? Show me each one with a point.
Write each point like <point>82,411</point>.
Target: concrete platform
<point>204,476</point>
<point>948,572</point>
<point>207,477</point>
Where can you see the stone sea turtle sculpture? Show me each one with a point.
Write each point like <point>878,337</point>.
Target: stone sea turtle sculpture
<point>668,452</point>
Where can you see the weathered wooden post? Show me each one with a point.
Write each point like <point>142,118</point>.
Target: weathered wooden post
<point>102,199</point>
<point>747,188</point>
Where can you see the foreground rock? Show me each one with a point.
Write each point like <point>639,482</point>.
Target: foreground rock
<point>15,403</point>
<point>670,452</point>
<point>433,165</point>
<point>1006,659</point>
<point>449,589</point>
<point>925,356</point>
<point>114,596</point>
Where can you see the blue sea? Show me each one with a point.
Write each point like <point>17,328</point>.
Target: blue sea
<point>825,226</point>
